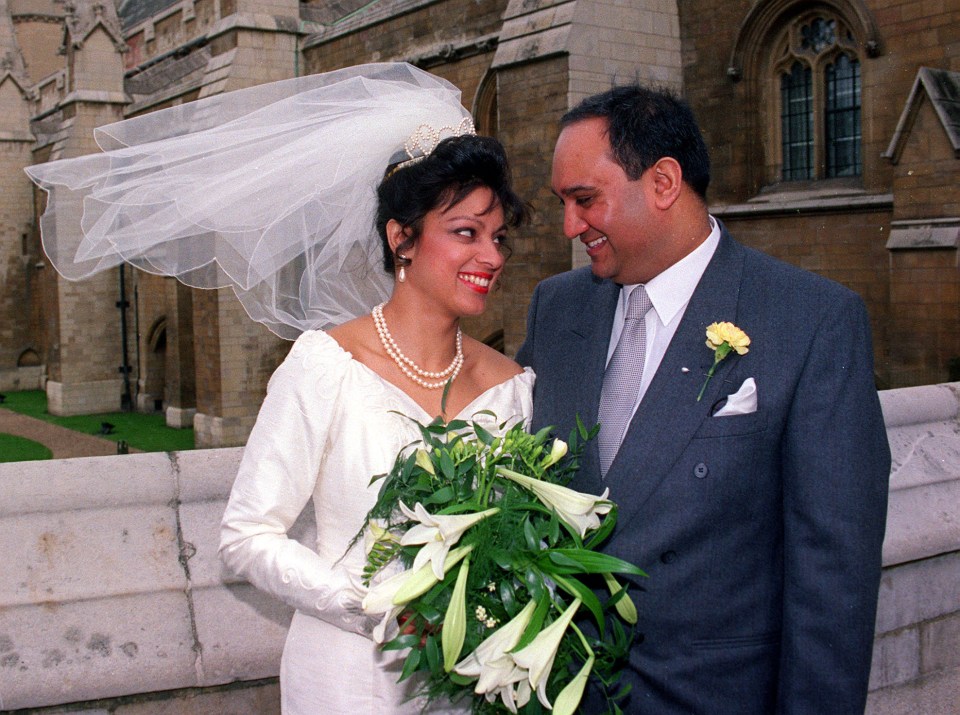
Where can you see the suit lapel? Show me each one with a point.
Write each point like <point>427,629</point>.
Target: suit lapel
<point>669,414</point>
<point>593,332</point>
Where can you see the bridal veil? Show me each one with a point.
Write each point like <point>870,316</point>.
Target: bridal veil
<point>269,190</point>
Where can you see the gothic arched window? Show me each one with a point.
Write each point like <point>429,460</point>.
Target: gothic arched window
<point>818,75</point>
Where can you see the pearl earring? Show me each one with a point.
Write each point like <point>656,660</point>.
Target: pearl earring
<point>401,272</point>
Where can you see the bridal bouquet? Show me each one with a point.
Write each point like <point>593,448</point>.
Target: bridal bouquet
<point>498,556</point>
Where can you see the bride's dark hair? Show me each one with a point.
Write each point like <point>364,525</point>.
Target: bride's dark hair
<point>456,167</point>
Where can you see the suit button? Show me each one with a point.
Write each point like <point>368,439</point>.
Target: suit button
<point>700,471</point>
<point>668,557</point>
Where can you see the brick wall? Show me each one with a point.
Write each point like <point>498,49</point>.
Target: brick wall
<point>845,244</point>
<point>16,257</point>
<point>926,179</point>
<point>234,360</point>
<point>407,36</point>
<point>912,34</point>
<point>925,315</point>
<point>532,98</point>
<point>847,247</point>
<point>925,280</point>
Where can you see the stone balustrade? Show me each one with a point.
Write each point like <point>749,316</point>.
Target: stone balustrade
<point>112,590</point>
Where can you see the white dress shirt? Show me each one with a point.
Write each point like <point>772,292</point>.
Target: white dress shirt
<point>670,292</point>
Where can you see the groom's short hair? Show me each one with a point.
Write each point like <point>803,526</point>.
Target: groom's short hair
<point>645,125</point>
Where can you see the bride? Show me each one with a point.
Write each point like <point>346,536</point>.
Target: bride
<point>358,213</point>
<point>338,411</point>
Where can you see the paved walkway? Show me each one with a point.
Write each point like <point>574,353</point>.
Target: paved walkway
<point>64,443</point>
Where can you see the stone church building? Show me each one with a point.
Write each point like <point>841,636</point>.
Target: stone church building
<point>834,128</point>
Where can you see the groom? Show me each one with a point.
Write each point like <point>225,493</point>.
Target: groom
<point>757,507</point>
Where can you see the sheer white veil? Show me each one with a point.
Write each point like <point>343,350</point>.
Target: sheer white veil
<point>269,190</point>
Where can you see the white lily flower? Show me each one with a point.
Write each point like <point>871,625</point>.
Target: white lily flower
<point>514,696</point>
<point>401,588</point>
<point>379,598</point>
<point>578,510</point>
<point>537,657</point>
<point>437,533</point>
<point>491,663</point>
<point>557,452</point>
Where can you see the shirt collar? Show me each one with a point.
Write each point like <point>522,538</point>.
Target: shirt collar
<point>671,290</point>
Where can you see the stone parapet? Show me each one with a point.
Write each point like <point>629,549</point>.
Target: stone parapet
<point>916,656</point>
<point>112,586</point>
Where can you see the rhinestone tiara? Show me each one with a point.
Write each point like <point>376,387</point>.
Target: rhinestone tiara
<point>423,141</point>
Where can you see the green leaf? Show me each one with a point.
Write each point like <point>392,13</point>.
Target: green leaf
<point>507,560</point>
<point>441,496</point>
<point>410,664</point>
<point>483,435</point>
<point>570,564</point>
<point>461,680</point>
<point>578,589</point>
<point>553,529</point>
<point>432,651</point>
<point>530,535</point>
<point>428,612</point>
<point>405,640</point>
<point>535,626</point>
<point>446,465</point>
<point>592,561</point>
<point>607,525</point>
<point>543,435</point>
<point>508,597</point>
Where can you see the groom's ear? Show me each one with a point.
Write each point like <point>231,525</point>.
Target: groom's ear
<point>667,182</point>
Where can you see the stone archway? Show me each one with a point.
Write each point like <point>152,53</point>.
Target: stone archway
<point>150,397</point>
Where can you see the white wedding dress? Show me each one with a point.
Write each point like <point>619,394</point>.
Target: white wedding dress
<point>327,425</point>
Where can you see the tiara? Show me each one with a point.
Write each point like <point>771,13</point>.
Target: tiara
<point>423,141</point>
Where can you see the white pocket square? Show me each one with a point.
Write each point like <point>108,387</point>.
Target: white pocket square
<point>741,402</point>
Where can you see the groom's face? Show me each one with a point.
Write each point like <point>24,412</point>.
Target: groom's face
<point>608,212</point>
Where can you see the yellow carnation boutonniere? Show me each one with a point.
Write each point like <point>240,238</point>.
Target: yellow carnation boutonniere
<point>723,338</point>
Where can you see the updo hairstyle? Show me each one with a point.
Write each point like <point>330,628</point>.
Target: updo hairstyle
<point>456,167</point>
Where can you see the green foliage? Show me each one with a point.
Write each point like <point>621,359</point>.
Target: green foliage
<point>148,433</point>
<point>529,550</point>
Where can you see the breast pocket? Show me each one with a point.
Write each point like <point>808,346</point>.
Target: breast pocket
<point>735,425</point>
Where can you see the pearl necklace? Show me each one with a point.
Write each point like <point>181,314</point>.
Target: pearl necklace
<point>408,366</point>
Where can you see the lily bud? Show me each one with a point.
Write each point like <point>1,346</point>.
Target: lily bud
<point>557,452</point>
<point>424,462</point>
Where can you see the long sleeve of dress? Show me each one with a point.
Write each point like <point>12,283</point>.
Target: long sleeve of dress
<point>277,476</point>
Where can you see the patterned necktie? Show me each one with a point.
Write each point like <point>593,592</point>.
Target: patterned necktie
<point>621,381</point>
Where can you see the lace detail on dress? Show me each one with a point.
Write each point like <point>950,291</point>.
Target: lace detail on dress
<point>337,598</point>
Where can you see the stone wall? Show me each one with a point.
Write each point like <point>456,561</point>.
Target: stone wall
<point>916,655</point>
<point>112,590</point>
<point>840,238</point>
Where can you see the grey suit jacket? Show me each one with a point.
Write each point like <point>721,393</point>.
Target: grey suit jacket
<point>761,533</point>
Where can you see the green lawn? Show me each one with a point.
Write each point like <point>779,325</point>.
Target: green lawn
<point>21,449</point>
<point>148,433</point>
